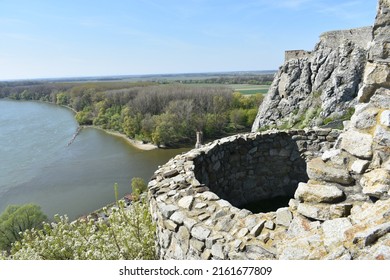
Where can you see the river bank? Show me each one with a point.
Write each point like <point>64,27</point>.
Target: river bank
<point>134,143</point>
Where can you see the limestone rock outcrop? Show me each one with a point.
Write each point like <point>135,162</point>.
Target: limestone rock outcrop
<point>314,86</point>
<point>377,71</point>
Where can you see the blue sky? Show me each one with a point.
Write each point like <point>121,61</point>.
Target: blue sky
<point>69,38</point>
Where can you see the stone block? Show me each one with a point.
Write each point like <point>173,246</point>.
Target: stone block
<point>204,216</point>
<point>170,225</point>
<point>269,225</point>
<point>385,118</point>
<point>242,232</point>
<point>359,166</point>
<point>258,228</point>
<point>217,250</point>
<point>189,223</point>
<point>178,217</point>
<point>167,210</point>
<point>364,117</point>
<point>250,222</point>
<point>283,217</point>
<point>225,224</point>
<point>200,233</point>
<point>323,212</point>
<point>186,202</point>
<point>210,196</point>
<point>334,231</point>
<point>318,170</point>
<point>318,193</point>
<point>206,255</point>
<point>170,173</point>
<point>382,136</point>
<point>376,182</point>
<point>357,143</point>
<point>327,155</point>
<point>369,236</point>
<point>299,250</point>
<point>197,245</point>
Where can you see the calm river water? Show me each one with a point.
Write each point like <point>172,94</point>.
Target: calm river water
<point>37,166</point>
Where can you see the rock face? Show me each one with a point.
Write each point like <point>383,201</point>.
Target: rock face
<point>341,210</point>
<point>377,71</point>
<point>313,86</point>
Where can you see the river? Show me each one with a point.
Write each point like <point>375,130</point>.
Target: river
<point>37,165</point>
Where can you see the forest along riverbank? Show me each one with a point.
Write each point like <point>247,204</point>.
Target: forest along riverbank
<point>132,142</point>
<point>137,144</point>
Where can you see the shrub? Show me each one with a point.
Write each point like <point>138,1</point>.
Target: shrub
<point>127,233</point>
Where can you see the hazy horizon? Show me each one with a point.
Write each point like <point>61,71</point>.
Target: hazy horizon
<point>141,76</point>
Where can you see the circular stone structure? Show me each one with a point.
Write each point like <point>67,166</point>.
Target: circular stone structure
<point>198,199</point>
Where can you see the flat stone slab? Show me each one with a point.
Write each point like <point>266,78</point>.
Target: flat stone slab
<point>318,170</point>
<point>323,212</point>
<point>372,234</point>
<point>318,193</point>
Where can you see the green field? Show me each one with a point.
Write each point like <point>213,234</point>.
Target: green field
<point>250,89</point>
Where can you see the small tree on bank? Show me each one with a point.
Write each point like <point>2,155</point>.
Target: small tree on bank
<point>15,220</point>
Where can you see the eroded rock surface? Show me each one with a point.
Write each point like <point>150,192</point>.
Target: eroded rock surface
<point>313,86</point>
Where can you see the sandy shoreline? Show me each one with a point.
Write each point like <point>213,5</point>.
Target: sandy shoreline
<point>134,143</point>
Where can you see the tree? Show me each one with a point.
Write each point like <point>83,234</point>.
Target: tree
<point>16,219</point>
<point>62,99</point>
<point>238,118</point>
<point>138,186</point>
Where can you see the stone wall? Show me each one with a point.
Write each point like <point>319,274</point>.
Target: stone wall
<point>358,36</point>
<point>262,166</point>
<point>295,54</point>
<point>195,197</point>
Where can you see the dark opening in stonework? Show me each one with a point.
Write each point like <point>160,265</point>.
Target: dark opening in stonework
<point>259,174</point>
<point>267,205</point>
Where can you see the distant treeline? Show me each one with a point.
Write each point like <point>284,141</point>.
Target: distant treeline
<point>265,79</point>
<point>161,114</point>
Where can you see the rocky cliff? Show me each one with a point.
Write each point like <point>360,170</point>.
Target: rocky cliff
<point>318,87</point>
